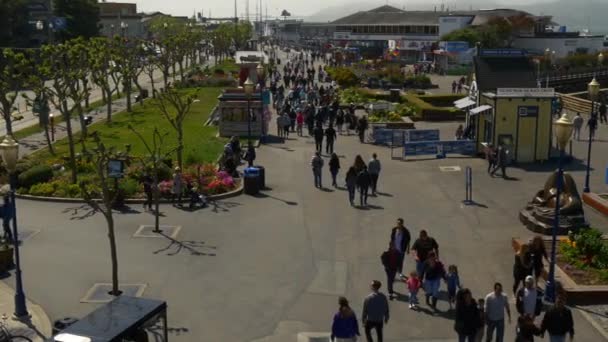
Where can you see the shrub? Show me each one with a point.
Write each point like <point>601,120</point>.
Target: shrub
<point>586,249</point>
<point>130,187</point>
<point>66,190</point>
<point>420,81</point>
<point>37,174</point>
<point>352,95</point>
<point>43,189</point>
<point>345,77</point>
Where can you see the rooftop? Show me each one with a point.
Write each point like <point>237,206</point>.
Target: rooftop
<point>388,15</point>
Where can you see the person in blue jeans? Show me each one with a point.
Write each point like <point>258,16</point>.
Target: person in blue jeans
<point>317,166</point>
<point>432,273</point>
<point>351,184</point>
<point>496,304</point>
<point>423,246</point>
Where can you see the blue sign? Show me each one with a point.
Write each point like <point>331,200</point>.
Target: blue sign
<point>396,137</point>
<point>420,148</point>
<point>456,47</point>
<point>60,23</point>
<point>502,53</point>
<point>527,111</point>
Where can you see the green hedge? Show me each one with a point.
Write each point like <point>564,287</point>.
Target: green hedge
<point>35,175</point>
<point>427,112</point>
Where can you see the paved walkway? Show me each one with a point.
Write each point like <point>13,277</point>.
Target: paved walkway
<point>37,327</point>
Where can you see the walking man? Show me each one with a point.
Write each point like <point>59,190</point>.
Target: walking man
<point>558,321</point>
<point>423,246</point>
<point>592,126</point>
<point>496,304</point>
<point>527,300</point>
<point>501,161</point>
<point>390,260</point>
<point>373,167</point>
<point>577,123</point>
<point>602,111</point>
<point>318,134</point>
<point>375,312</point>
<point>400,240</point>
<point>330,137</point>
<point>317,166</point>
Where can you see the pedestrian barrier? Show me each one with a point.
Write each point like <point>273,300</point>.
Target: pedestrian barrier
<point>468,184</point>
<point>439,148</point>
<point>397,137</point>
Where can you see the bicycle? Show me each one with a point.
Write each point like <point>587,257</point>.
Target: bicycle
<point>5,334</point>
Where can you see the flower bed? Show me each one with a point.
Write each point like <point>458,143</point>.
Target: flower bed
<point>584,257</point>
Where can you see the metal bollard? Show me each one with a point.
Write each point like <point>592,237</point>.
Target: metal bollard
<point>468,175</point>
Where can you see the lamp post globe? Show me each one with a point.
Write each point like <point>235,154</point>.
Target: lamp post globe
<point>39,25</point>
<point>593,88</point>
<point>9,149</point>
<point>260,70</point>
<point>600,58</point>
<point>248,86</point>
<point>563,130</point>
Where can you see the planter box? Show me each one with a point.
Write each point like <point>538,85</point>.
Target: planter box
<point>596,201</point>
<point>576,294</point>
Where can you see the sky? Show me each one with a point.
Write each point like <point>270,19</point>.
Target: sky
<point>297,8</point>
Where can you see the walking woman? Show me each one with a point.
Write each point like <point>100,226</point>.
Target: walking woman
<point>345,327</point>
<point>432,273</point>
<point>468,320</point>
<point>359,164</point>
<point>522,266</point>
<point>537,253</point>
<point>334,167</point>
<point>351,184</point>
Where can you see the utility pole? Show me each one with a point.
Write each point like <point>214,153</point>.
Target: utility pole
<point>247,10</point>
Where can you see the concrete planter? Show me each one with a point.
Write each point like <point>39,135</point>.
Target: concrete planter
<point>6,258</point>
<point>596,201</point>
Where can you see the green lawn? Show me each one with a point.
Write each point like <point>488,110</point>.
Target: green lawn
<point>200,142</point>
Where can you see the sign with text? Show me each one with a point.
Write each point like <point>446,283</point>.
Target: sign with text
<point>525,92</point>
<point>502,53</point>
<point>527,111</point>
<point>396,137</point>
<point>420,148</point>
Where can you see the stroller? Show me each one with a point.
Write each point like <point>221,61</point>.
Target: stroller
<point>196,199</point>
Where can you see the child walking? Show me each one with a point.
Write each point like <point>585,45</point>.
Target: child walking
<point>413,285</point>
<point>453,281</point>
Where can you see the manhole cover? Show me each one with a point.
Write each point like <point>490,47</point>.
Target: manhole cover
<point>449,168</point>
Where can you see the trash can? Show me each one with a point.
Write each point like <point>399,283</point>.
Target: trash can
<point>262,176</point>
<point>251,181</point>
<point>61,324</point>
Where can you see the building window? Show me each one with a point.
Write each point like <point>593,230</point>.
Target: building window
<point>365,29</point>
<point>427,30</point>
<point>401,29</point>
<point>408,29</point>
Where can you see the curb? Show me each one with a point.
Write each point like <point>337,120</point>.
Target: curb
<point>594,324</point>
<point>233,193</point>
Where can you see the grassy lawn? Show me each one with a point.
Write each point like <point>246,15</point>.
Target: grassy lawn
<point>200,142</point>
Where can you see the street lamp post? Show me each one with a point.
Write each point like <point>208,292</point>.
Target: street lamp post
<point>52,122</point>
<point>123,28</point>
<point>563,130</point>
<point>248,86</point>
<point>593,89</point>
<point>9,149</point>
<point>260,72</point>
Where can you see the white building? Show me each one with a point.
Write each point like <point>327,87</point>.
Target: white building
<point>564,44</point>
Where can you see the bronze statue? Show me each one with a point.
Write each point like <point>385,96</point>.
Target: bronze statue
<point>539,215</point>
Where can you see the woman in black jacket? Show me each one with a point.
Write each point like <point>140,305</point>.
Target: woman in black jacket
<point>334,167</point>
<point>468,320</point>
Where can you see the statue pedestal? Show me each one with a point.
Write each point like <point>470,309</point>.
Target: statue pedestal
<point>542,221</point>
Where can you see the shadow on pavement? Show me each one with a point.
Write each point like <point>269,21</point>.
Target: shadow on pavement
<point>175,247</point>
<point>570,164</point>
<point>264,195</point>
<point>474,204</point>
<point>223,206</point>
<point>384,194</point>
<point>81,212</point>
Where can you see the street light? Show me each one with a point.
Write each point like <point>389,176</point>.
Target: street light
<point>39,25</point>
<point>124,27</point>
<point>563,131</point>
<point>248,86</point>
<point>52,121</point>
<point>593,89</point>
<point>9,149</point>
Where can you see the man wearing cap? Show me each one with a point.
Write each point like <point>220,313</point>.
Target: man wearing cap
<point>527,299</point>
<point>375,312</point>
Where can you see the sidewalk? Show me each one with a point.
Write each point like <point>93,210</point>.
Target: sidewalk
<point>38,327</point>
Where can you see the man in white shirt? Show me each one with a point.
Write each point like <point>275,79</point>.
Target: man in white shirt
<point>527,298</point>
<point>495,306</point>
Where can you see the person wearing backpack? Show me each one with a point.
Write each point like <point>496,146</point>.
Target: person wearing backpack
<point>317,166</point>
<point>363,182</point>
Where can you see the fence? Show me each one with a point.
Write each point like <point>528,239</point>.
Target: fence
<point>439,148</point>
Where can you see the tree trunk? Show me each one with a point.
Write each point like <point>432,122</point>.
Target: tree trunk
<point>174,72</point>
<point>68,127</point>
<point>83,124</point>
<point>156,198</point>
<point>152,85</point>
<point>166,76</point>
<point>180,146</point>
<point>128,95</point>
<point>108,105</point>
<point>49,143</point>
<point>113,252</point>
<point>8,120</point>
<point>87,96</point>
<point>181,70</point>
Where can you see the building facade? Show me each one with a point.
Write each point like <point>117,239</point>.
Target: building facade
<point>120,19</point>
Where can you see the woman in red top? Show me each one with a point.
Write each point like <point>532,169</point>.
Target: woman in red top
<point>300,123</point>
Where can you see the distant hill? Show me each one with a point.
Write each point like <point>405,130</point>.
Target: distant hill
<point>576,15</point>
